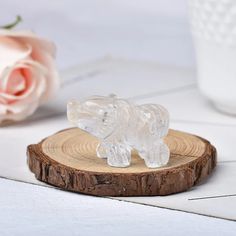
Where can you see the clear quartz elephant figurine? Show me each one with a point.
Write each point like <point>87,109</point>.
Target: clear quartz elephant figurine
<point>121,126</point>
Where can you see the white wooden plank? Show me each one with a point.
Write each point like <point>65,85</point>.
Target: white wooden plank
<point>214,197</point>
<point>34,210</point>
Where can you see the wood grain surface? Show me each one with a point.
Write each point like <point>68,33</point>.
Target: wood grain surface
<point>68,160</point>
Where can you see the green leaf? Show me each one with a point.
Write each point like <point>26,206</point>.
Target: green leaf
<point>13,24</point>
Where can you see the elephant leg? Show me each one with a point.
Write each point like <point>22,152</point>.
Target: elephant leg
<point>157,155</point>
<point>118,155</point>
<point>101,151</point>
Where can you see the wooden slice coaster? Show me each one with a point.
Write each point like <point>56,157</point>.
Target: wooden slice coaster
<point>68,160</point>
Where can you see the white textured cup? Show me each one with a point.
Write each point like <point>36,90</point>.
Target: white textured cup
<point>213,24</point>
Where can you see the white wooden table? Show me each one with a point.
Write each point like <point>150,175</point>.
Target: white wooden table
<point>84,31</point>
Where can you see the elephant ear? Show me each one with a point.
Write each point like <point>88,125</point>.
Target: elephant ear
<point>109,115</point>
<point>109,121</point>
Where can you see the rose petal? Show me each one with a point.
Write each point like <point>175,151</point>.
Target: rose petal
<point>17,82</point>
<point>53,80</point>
<point>34,77</point>
<point>32,39</point>
<point>22,113</point>
<point>12,51</point>
<point>31,99</point>
<point>3,111</point>
<point>22,108</point>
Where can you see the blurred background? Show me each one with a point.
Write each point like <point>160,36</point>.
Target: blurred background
<point>153,30</point>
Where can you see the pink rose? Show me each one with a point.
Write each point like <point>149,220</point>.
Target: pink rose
<point>28,76</point>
